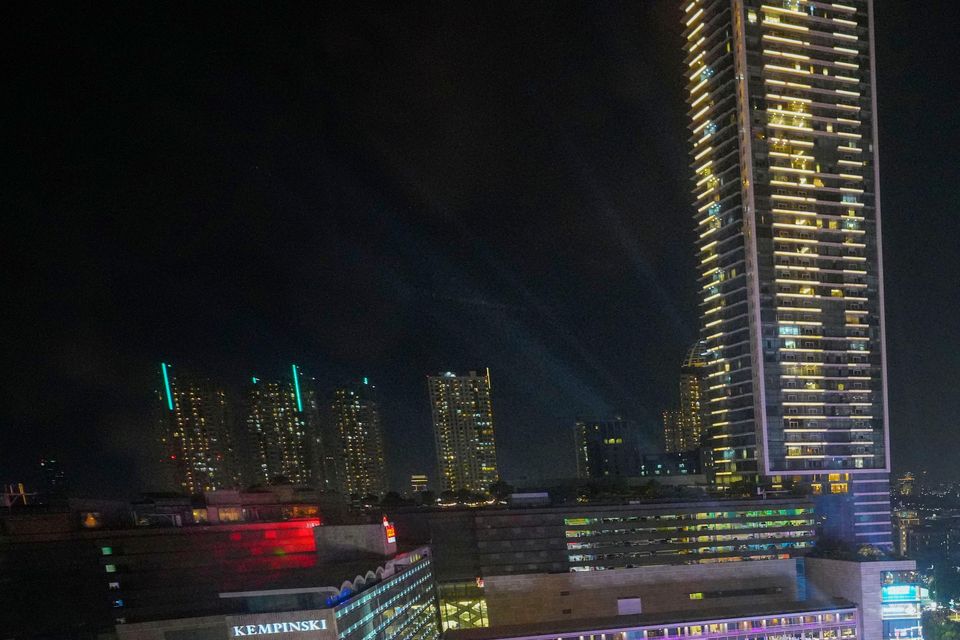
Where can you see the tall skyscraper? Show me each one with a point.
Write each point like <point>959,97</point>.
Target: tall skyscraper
<point>607,449</point>
<point>683,428</point>
<point>195,433</point>
<point>356,437</point>
<point>281,423</point>
<point>462,412</point>
<point>672,437</point>
<point>784,153</point>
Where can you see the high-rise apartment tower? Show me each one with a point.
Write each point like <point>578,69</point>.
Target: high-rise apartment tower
<point>463,429</point>
<point>195,434</point>
<point>281,424</point>
<point>356,440</point>
<point>683,429</point>
<point>783,139</point>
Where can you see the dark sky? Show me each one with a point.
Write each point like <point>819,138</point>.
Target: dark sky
<point>399,189</point>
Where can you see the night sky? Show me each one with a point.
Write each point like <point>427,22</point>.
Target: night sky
<point>395,190</point>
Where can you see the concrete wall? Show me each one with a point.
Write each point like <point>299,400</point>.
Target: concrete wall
<point>543,597</point>
<point>858,582</point>
<point>346,542</point>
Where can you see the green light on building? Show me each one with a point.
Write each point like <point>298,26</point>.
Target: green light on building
<point>296,387</point>
<point>166,385</point>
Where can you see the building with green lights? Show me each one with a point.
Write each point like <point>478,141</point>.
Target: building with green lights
<point>282,426</point>
<point>194,432</point>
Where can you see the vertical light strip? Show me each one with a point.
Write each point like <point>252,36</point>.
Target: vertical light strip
<point>166,385</point>
<point>296,387</point>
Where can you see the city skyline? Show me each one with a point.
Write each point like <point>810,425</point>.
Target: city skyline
<point>547,260</point>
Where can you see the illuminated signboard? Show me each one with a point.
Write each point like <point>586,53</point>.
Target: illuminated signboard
<point>900,592</point>
<point>389,530</point>
<point>277,627</point>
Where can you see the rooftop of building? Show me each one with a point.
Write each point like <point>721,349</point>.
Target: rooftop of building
<point>348,578</point>
<point>615,623</point>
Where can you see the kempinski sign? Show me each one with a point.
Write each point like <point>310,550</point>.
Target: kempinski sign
<point>277,627</point>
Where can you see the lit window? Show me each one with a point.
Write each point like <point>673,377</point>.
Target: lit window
<point>107,551</point>
<point>696,596</point>
<point>111,568</point>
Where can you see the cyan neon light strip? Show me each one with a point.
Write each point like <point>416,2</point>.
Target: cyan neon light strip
<point>296,387</point>
<point>166,384</point>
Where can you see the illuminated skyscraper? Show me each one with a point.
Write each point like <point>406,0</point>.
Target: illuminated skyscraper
<point>195,433</point>
<point>784,153</point>
<point>683,429</point>
<point>357,446</point>
<point>462,412</point>
<point>281,423</point>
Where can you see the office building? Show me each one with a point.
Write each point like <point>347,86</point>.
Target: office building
<point>784,154</point>
<point>195,432</point>
<point>356,437</point>
<point>607,449</point>
<point>282,425</point>
<point>471,546</point>
<point>462,411</point>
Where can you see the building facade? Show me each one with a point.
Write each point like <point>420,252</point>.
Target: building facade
<point>281,422</point>
<point>683,428</point>
<point>462,411</point>
<point>788,620</point>
<point>195,432</point>
<point>607,449</point>
<point>394,600</point>
<point>356,437</point>
<point>784,153</point>
<point>889,593</point>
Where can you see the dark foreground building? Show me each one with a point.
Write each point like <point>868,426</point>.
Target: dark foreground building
<point>85,574</point>
<point>346,601</point>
